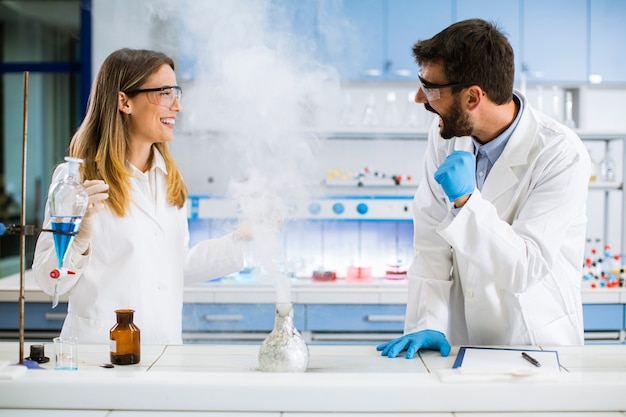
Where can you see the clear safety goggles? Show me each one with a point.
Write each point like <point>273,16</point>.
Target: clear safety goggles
<point>162,96</point>
<point>431,90</point>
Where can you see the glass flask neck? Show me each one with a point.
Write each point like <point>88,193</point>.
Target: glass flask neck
<point>72,166</point>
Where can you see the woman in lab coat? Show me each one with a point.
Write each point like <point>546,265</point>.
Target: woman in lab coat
<point>132,247</point>
<point>500,215</point>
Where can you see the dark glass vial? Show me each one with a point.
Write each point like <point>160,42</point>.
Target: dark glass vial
<point>125,339</point>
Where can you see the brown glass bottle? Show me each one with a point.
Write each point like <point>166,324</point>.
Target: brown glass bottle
<point>125,339</point>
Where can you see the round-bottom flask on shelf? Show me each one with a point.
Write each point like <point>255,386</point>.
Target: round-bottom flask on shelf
<point>284,349</point>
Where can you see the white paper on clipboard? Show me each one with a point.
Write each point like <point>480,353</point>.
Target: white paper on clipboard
<point>503,360</point>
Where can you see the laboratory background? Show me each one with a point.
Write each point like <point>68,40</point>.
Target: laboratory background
<point>298,115</point>
<point>305,108</point>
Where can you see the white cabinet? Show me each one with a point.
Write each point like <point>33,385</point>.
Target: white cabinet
<point>351,38</point>
<point>406,22</point>
<point>554,40</point>
<point>559,41</point>
<point>380,34</point>
<point>607,38</point>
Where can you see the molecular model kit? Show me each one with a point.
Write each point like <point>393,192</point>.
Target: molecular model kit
<point>602,268</point>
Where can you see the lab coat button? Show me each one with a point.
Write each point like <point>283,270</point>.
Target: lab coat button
<point>469,294</point>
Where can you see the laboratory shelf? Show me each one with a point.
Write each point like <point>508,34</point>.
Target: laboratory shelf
<point>605,185</point>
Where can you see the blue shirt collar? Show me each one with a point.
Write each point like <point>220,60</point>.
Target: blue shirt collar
<point>494,148</point>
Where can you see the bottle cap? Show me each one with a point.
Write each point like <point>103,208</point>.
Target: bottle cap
<point>37,354</point>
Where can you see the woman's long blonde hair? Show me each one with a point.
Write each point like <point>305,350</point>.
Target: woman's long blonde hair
<point>102,140</point>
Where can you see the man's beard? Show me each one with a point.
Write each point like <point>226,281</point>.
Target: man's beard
<point>456,124</point>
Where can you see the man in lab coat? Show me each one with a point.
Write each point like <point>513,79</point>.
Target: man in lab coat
<point>500,214</point>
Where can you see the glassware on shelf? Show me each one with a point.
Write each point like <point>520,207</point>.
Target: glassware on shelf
<point>396,256</point>
<point>412,114</point>
<point>556,103</point>
<point>391,117</point>
<point>607,167</point>
<point>370,114</point>
<point>593,177</point>
<point>569,110</point>
<point>359,274</point>
<point>347,117</point>
<point>67,202</point>
<point>540,98</point>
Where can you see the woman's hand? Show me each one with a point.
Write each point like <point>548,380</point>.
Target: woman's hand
<point>97,190</point>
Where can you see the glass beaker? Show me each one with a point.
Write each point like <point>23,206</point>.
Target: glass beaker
<point>66,353</point>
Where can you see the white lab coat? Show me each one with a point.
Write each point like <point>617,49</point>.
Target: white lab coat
<point>140,261</point>
<point>507,269</point>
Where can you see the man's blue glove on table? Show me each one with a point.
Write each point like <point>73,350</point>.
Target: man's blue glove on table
<point>412,342</point>
<point>457,174</point>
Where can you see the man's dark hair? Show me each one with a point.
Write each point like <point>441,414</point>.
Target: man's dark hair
<point>472,51</point>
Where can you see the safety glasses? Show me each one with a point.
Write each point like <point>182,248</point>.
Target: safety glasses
<point>431,90</point>
<point>162,96</point>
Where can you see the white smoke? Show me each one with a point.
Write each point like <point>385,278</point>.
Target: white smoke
<point>249,78</point>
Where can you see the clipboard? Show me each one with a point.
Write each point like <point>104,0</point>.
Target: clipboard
<point>491,360</point>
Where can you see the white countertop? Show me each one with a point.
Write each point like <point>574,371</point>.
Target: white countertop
<point>339,379</point>
<point>304,291</point>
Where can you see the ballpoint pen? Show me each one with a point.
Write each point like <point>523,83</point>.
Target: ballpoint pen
<point>531,359</point>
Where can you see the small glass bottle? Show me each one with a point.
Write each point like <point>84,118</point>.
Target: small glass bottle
<point>594,168</point>
<point>125,339</point>
<point>607,167</point>
<point>347,117</point>
<point>569,110</point>
<point>391,118</point>
<point>370,115</point>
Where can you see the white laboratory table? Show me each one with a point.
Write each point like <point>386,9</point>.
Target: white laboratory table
<point>224,379</point>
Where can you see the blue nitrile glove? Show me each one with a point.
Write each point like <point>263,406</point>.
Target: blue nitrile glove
<point>457,174</point>
<point>412,342</point>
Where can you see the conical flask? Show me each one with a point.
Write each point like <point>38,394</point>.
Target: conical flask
<point>284,349</point>
<point>67,201</point>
